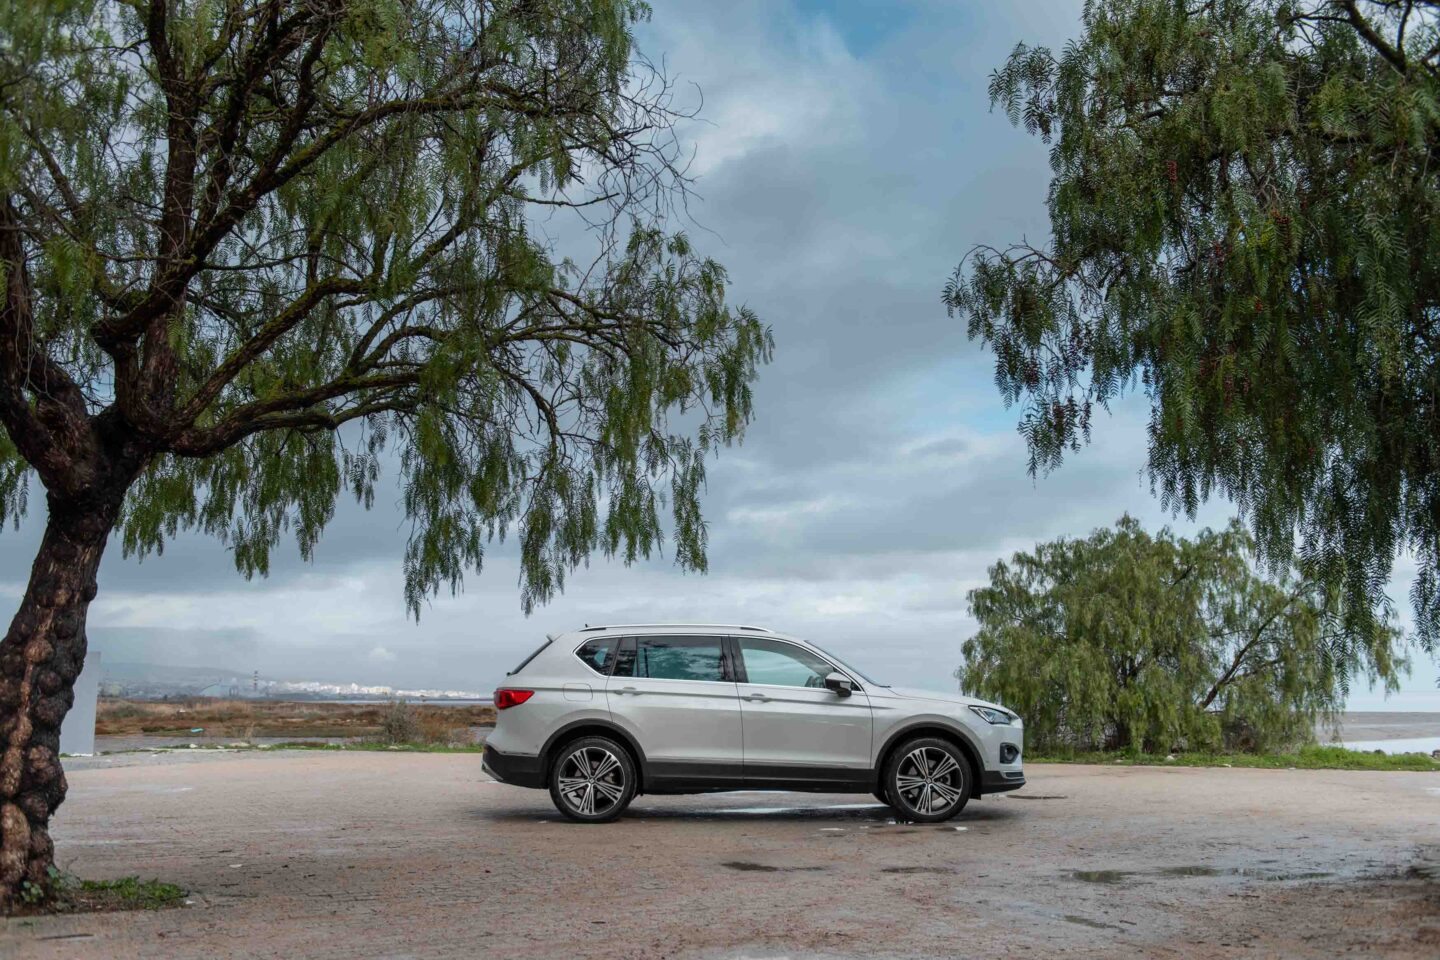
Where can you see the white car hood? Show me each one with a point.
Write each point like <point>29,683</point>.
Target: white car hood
<point>959,699</point>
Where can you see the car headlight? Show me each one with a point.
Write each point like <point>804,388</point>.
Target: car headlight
<point>991,715</point>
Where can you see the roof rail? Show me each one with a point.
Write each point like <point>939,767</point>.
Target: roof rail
<point>716,626</point>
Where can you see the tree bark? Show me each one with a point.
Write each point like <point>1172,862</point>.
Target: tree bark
<point>40,657</point>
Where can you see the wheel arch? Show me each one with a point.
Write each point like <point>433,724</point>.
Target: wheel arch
<point>955,734</point>
<point>592,727</point>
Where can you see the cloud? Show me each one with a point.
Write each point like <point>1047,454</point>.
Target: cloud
<point>846,162</point>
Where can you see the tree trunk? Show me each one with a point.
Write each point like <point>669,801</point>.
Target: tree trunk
<point>40,658</point>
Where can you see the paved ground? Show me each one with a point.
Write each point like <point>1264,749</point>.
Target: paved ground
<point>294,854</point>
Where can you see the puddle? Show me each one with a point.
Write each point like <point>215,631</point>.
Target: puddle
<point>1256,874</point>
<point>911,870</point>
<point>1102,876</point>
<point>1252,873</point>
<point>812,811</point>
<point>751,867</point>
<point>1087,922</point>
<point>1201,870</point>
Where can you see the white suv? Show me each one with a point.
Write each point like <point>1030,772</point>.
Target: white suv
<point>601,714</point>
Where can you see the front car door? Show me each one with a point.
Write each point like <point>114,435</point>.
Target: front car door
<point>677,696</point>
<point>796,730</point>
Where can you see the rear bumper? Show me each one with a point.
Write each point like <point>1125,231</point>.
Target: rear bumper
<point>513,768</point>
<point>996,781</point>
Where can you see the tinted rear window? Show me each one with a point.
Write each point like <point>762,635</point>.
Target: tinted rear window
<point>679,658</point>
<point>598,654</point>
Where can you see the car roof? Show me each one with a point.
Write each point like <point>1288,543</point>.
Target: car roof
<point>670,627</point>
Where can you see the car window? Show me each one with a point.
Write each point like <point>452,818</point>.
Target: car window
<point>675,658</point>
<point>597,654</point>
<point>782,664</point>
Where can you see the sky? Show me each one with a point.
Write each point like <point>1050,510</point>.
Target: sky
<point>846,159</point>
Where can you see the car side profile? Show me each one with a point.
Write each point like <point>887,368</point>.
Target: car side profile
<point>600,715</point>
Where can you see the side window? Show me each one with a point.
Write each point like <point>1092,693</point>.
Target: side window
<point>782,664</point>
<point>597,654</point>
<point>679,658</point>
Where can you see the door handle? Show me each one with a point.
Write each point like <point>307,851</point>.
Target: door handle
<point>624,690</point>
<point>758,697</point>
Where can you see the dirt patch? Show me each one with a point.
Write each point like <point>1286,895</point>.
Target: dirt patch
<point>252,719</point>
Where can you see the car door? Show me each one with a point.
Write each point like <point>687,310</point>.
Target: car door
<point>677,696</point>
<point>796,729</point>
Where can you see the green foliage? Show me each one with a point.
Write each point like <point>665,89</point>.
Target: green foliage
<point>1306,758</point>
<point>1153,643</point>
<point>1246,225</point>
<point>65,893</point>
<point>279,248</point>
<point>131,893</point>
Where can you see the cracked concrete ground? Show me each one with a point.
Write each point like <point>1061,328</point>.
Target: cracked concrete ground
<point>296,854</point>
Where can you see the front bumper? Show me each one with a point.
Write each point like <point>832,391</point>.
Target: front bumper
<point>513,768</point>
<point>999,781</point>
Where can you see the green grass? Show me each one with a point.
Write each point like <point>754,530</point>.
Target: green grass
<point>65,893</point>
<point>130,893</point>
<point>1306,758</point>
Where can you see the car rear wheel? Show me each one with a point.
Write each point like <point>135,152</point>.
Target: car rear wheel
<point>592,780</point>
<point>927,780</point>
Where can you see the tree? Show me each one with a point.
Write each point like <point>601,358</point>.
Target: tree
<point>1127,640</point>
<point>1244,214</point>
<point>254,252</point>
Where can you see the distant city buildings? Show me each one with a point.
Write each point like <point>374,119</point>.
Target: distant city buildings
<point>152,682</point>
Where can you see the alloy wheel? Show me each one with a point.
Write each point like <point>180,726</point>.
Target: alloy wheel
<point>929,780</point>
<point>592,781</point>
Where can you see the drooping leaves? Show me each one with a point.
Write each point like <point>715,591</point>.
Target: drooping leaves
<point>1128,640</point>
<point>283,247</point>
<point>1246,226</point>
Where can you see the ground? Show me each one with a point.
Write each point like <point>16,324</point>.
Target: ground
<point>305,854</point>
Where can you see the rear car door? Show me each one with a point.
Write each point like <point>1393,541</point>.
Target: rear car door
<point>677,696</point>
<point>795,728</point>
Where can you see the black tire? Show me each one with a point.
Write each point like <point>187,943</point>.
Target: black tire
<point>599,780</point>
<point>920,763</point>
<point>880,795</point>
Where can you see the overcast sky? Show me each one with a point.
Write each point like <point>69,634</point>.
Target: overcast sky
<point>847,161</point>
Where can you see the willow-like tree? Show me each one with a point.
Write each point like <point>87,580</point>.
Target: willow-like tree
<point>1125,639</point>
<point>254,251</point>
<point>1245,212</point>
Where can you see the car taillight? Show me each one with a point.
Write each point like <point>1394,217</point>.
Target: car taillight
<point>506,697</point>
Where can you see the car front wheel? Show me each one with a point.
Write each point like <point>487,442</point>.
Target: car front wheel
<point>592,780</point>
<point>927,780</point>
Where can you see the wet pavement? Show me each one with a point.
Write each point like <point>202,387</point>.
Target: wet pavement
<point>303,854</point>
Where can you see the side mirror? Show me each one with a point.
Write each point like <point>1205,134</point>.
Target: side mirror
<point>839,683</point>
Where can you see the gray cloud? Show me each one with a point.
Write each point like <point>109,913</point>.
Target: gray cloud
<point>848,162</point>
